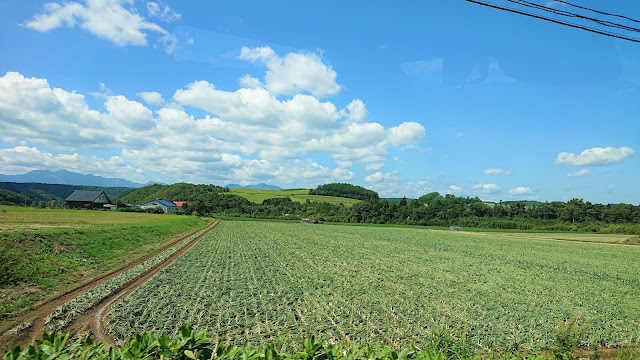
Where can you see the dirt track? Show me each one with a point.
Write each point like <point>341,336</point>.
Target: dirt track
<point>93,319</point>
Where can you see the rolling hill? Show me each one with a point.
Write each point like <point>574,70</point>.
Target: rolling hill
<point>299,195</point>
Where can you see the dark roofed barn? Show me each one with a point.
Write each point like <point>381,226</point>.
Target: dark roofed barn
<point>87,199</point>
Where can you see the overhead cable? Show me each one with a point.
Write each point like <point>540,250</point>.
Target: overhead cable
<point>561,22</point>
<point>596,11</point>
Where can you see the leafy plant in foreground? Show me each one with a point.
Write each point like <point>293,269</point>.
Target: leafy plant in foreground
<point>189,344</point>
<point>568,336</point>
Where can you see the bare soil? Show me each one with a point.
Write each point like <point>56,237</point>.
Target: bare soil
<point>36,315</point>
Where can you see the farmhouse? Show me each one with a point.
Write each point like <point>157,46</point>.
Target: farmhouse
<point>166,206</point>
<point>91,199</point>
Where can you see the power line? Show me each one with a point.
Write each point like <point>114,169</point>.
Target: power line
<point>596,11</point>
<point>570,14</point>
<point>557,21</point>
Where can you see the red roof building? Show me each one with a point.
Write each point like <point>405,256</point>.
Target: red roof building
<point>180,204</point>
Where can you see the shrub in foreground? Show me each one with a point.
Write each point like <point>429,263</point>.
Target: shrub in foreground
<point>189,344</point>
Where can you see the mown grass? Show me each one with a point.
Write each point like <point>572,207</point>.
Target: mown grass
<point>37,261</point>
<point>17,216</point>
<point>298,195</point>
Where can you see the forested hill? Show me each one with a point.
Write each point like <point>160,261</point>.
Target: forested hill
<point>345,190</point>
<point>39,192</point>
<point>174,192</point>
<point>12,198</point>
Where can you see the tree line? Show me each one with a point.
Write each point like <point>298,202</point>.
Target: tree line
<point>432,209</point>
<point>345,191</point>
<point>437,210</point>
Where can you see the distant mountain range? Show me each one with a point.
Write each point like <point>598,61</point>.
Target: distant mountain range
<point>68,178</point>
<point>260,186</point>
<point>71,178</point>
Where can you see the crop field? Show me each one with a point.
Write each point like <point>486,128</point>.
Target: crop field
<point>264,281</point>
<point>299,195</point>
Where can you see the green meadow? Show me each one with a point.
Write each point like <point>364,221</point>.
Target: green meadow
<point>298,195</point>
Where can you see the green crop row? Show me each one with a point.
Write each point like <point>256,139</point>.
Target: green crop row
<point>264,281</point>
<point>67,312</point>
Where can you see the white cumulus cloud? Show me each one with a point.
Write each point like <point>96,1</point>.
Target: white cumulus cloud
<point>115,20</point>
<point>244,135</point>
<point>151,97</point>
<point>357,111</point>
<point>375,177</point>
<point>21,159</point>
<point>521,190</point>
<point>496,172</point>
<point>127,113</point>
<point>407,133</point>
<point>31,109</point>
<point>596,156</point>
<point>294,72</point>
<point>579,173</point>
<point>163,11</point>
<point>486,188</point>
<point>391,184</point>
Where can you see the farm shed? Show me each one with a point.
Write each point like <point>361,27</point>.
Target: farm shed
<point>455,228</point>
<point>180,204</point>
<point>93,199</point>
<point>166,206</point>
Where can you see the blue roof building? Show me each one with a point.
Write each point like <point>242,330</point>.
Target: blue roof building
<point>166,206</point>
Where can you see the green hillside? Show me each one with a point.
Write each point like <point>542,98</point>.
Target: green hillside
<point>345,190</point>
<point>58,192</point>
<point>210,194</point>
<point>174,192</point>
<point>298,195</point>
<point>12,198</point>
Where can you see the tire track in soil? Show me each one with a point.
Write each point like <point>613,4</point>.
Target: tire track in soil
<point>95,320</point>
<point>41,310</point>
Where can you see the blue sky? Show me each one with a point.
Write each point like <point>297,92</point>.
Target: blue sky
<point>403,98</point>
